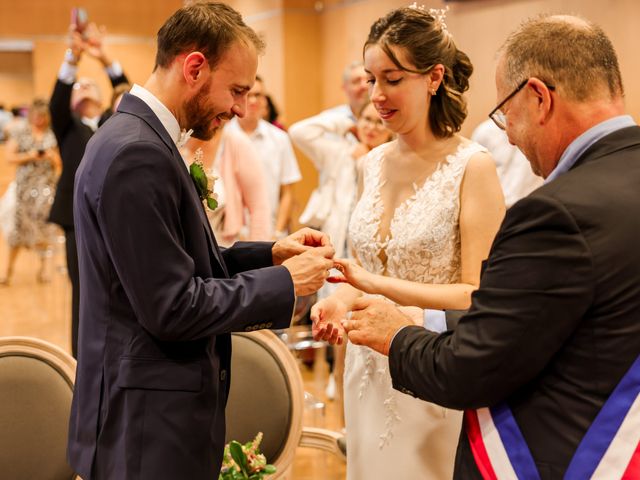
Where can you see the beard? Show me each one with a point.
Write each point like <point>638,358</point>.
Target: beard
<point>200,114</point>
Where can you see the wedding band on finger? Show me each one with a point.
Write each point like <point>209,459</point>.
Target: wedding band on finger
<point>348,315</point>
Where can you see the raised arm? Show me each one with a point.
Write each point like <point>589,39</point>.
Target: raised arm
<point>321,137</point>
<point>95,47</point>
<point>60,103</point>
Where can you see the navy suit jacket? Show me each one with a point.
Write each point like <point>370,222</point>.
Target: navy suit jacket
<point>158,301</point>
<point>555,323</point>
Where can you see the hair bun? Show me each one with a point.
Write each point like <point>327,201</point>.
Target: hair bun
<point>461,70</point>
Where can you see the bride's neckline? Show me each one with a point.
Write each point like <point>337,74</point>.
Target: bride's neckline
<point>404,205</point>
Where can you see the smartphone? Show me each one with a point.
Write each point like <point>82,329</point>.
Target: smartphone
<point>79,18</point>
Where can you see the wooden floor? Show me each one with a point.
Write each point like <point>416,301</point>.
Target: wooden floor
<point>43,311</point>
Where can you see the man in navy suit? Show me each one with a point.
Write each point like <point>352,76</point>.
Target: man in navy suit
<point>548,355</point>
<point>159,298</point>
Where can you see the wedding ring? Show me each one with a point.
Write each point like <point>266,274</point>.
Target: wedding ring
<point>348,315</point>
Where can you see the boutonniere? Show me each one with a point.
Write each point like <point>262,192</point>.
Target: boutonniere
<point>204,183</point>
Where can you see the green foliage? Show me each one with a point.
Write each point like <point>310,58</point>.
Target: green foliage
<point>201,182</point>
<point>245,462</point>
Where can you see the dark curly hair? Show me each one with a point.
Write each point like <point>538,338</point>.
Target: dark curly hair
<point>427,44</point>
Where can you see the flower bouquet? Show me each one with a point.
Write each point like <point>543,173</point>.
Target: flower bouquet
<point>245,462</point>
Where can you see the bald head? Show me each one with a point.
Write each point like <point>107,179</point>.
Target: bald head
<point>566,51</point>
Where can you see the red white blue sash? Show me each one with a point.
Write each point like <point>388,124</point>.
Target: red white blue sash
<point>609,450</point>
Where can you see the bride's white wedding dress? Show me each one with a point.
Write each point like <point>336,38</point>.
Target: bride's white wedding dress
<point>391,435</point>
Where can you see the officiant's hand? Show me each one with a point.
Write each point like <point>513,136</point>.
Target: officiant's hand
<point>374,322</point>
<point>299,242</point>
<point>310,269</point>
<point>327,316</point>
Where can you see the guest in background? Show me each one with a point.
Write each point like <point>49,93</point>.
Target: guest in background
<point>514,170</point>
<point>17,122</point>
<point>276,154</point>
<point>271,114</point>
<point>33,150</point>
<point>355,88</point>
<point>240,184</point>
<point>5,117</point>
<point>76,113</point>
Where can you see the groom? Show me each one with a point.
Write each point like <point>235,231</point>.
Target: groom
<point>159,298</point>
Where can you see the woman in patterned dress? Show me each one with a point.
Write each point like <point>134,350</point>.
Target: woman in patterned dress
<point>428,211</point>
<point>33,150</point>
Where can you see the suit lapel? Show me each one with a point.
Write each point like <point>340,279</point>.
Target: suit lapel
<point>135,106</point>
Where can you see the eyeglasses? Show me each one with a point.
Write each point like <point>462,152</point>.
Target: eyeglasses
<point>498,116</point>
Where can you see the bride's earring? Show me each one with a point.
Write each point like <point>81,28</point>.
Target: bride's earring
<point>433,92</point>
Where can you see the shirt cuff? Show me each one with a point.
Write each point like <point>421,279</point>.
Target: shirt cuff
<point>67,73</point>
<point>394,335</point>
<point>435,320</point>
<point>114,70</point>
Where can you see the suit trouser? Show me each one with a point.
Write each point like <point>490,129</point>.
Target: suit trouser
<point>74,276</point>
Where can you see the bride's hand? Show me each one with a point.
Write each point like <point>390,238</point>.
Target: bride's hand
<point>353,274</point>
<point>327,316</point>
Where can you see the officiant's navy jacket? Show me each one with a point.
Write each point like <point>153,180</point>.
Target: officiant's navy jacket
<point>158,300</point>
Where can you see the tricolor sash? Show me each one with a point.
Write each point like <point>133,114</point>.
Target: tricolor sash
<point>609,450</point>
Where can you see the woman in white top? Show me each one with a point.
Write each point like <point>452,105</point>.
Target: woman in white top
<point>430,206</point>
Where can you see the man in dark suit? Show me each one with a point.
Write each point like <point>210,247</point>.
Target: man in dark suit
<point>159,298</point>
<point>76,113</point>
<point>553,332</point>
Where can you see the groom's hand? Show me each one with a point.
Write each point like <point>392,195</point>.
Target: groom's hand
<point>299,242</point>
<point>310,269</point>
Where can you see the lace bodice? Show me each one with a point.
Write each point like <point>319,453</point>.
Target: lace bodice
<point>423,244</point>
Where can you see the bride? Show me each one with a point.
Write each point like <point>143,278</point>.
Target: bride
<point>429,208</point>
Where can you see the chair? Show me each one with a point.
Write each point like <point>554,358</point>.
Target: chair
<point>267,396</point>
<point>36,385</point>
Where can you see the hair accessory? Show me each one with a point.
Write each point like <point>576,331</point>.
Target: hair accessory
<point>439,14</point>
